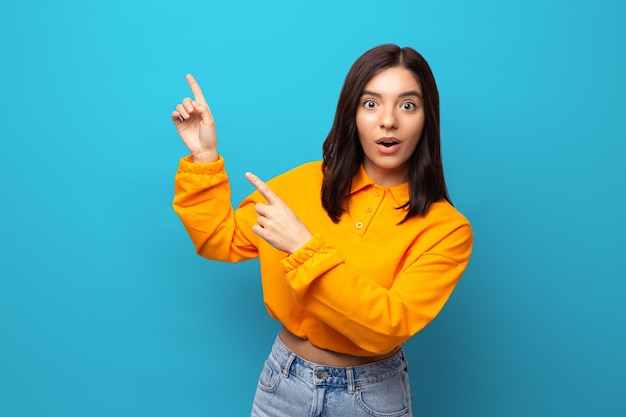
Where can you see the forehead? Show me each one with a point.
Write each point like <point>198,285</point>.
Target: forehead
<point>394,80</point>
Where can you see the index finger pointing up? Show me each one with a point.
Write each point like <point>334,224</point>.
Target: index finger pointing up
<point>263,188</point>
<point>195,89</point>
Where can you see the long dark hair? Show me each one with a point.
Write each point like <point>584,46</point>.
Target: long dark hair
<point>342,151</point>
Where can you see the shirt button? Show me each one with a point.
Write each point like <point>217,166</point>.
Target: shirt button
<point>359,225</point>
<point>377,193</point>
<point>368,209</point>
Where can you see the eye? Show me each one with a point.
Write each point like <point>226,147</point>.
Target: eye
<point>407,105</point>
<point>370,104</point>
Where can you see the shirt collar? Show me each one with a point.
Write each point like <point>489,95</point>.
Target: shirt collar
<point>362,181</point>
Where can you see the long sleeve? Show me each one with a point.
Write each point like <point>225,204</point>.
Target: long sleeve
<point>202,200</point>
<point>362,286</point>
<point>375,318</point>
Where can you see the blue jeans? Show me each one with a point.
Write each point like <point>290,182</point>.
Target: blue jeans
<point>290,386</point>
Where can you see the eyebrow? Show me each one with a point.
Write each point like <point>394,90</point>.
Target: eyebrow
<point>402,95</point>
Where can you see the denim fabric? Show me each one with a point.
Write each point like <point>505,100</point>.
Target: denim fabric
<point>290,386</point>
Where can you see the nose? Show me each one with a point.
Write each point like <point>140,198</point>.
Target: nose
<point>388,119</point>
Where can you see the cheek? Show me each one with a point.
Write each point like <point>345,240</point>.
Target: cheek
<point>418,132</point>
<point>363,124</point>
<point>416,128</point>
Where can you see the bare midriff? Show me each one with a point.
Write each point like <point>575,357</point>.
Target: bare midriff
<point>306,350</point>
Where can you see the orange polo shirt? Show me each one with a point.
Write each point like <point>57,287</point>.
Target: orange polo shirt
<point>363,286</point>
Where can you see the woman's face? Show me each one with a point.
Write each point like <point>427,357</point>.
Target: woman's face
<point>390,120</point>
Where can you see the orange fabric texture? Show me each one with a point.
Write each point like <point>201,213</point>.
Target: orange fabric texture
<point>363,286</point>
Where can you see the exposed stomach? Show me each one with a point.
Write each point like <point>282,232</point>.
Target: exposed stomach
<point>306,350</point>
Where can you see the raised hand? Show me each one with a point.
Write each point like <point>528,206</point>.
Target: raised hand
<point>277,224</point>
<point>196,126</point>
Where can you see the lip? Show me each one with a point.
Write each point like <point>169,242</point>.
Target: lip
<point>387,139</point>
<point>387,149</point>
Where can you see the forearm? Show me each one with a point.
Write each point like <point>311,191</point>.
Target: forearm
<point>202,200</point>
<point>375,318</point>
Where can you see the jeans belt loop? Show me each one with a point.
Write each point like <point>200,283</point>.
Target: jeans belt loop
<point>287,365</point>
<point>350,378</point>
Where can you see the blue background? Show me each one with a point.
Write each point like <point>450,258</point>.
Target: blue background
<point>105,309</point>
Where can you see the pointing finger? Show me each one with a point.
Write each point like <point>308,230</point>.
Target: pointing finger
<point>195,89</point>
<point>263,188</point>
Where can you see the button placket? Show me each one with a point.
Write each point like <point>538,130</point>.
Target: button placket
<point>370,202</point>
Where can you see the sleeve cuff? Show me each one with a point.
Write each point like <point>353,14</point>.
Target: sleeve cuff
<point>188,166</point>
<point>303,254</point>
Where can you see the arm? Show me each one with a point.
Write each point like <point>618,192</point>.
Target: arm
<point>202,200</point>
<point>375,318</point>
<point>202,192</point>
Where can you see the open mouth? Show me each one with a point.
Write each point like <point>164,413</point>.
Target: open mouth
<point>387,141</point>
<point>388,146</point>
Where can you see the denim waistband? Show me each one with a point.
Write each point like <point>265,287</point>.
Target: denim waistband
<point>356,376</point>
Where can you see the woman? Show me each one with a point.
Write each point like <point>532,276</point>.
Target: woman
<point>357,252</point>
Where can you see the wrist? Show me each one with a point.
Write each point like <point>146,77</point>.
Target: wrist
<point>304,239</point>
<point>204,157</point>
